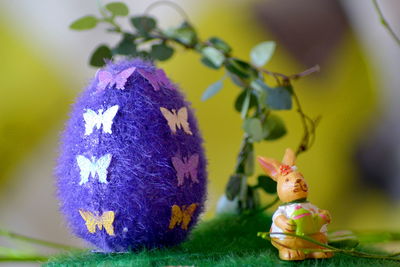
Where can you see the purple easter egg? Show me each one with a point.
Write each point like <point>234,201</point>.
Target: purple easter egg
<point>132,170</point>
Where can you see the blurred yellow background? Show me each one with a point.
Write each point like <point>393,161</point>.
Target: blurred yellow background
<point>36,91</point>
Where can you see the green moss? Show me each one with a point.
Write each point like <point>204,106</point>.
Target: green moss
<point>223,241</point>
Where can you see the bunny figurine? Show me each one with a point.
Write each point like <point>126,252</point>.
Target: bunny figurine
<point>296,215</point>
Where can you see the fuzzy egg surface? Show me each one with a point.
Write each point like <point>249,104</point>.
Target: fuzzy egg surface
<point>132,170</point>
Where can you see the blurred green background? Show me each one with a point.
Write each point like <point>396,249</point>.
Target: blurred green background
<point>44,66</point>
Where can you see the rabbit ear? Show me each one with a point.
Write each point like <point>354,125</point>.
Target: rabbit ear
<point>289,158</point>
<point>270,166</point>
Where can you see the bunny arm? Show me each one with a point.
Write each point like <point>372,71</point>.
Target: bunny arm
<point>325,215</point>
<point>285,224</point>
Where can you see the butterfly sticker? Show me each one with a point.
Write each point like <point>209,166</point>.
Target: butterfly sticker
<point>182,216</point>
<point>156,78</point>
<point>93,119</point>
<point>177,120</point>
<point>93,167</point>
<point>105,220</point>
<point>107,79</point>
<point>186,168</point>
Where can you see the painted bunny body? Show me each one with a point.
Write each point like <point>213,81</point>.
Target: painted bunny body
<point>296,215</point>
<point>289,211</point>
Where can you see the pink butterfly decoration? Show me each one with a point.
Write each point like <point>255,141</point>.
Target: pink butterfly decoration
<point>186,168</point>
<point>156,78</point>
<point>106,79</point>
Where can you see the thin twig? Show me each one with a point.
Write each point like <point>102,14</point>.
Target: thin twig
<point>101,9</point>
<point>174,5</point>
<point>293,77</point>
<point>351,252</point>
<point>274,74</point>
<point>303,146</point>
<point>33,240</point>
<point>307,72</point>
<point>111,21</point>
<point>27,258</point>
<point>276,200</point>
<point>385,22</point>
<point>242,157</point>
<point>309,130</point>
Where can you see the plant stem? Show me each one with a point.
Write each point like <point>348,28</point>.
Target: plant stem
<point>111,21</point>
<point>385,22</point>
<point>307,72</point>
<point>27,258</point>
<point>303,143</point>
<point>350,252</point>
<point>33,240</point>
<point>276,200</point>
<point>242,157</point>
<point>243,192</point>
<point>295,76</point>
<point>174,5</point>
<point>101,9</point>
<point>309,130</point>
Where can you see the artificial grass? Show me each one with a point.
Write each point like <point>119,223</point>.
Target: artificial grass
<point>223,241</point>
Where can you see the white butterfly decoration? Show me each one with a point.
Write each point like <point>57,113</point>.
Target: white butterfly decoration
<point>93,119</point>
<point>93,166</point>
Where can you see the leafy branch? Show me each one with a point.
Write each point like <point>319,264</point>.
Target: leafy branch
<point>257,101</point>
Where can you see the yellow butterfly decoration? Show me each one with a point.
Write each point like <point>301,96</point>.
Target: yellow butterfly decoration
<point>181,216</point>
<point>105,220</point>
<point>177,120</point>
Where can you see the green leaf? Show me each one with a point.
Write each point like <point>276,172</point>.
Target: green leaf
<point>161,52</point>
<point>253,127</point>
<point>343,239</point>
<point>274,127</point>
<point>237,80</point>
<point>212,90</point>
<point>84,23</point>
<point>99,56</point>
<point>260,89</point>
<point>246,104</point>
<point>262,53</point>
<point>144,55</point>
<point>213,55</point>
<point>240,101</point>
<point>279,98</point>
<point>233,187</point>
<point>185,34</point>
<point>144,24</point>
<point>220,45</point>
<point>259,85</point>
<point>126,46</point>
<point>267,184</point>
<point>208,63</point>
<point>240,68</point>
<point>117,9</point>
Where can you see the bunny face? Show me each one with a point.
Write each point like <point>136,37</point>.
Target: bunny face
<point>291,186</point>
<point>291,183</point>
